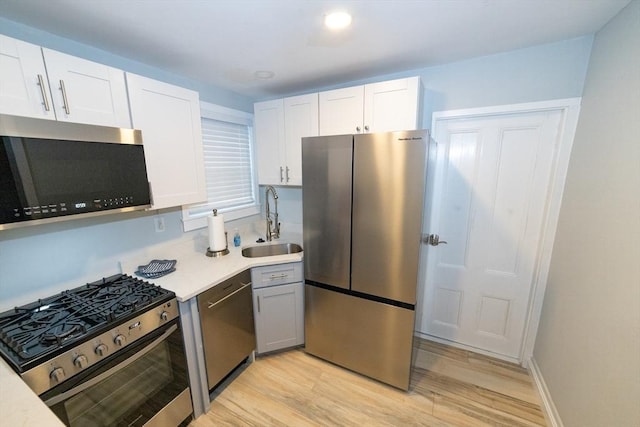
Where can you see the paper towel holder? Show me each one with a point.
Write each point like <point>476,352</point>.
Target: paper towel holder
<point>222,252</point>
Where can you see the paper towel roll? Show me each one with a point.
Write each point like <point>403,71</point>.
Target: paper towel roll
<point>217,238</point>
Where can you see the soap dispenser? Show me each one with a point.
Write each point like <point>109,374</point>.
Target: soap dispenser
<point>236,238</point>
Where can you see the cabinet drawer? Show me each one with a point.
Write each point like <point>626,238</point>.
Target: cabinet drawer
<point>279,274</point>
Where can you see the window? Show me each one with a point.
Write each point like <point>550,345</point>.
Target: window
<point>227,139</point>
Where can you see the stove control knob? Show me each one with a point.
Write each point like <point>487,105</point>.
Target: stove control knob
<point>119,340</point>
<point>81,361</point>
<point>164,315</point>
<point>101,349</point>
<point>57,375</point>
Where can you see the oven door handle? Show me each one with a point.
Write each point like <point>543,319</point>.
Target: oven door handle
<point>82,387</point>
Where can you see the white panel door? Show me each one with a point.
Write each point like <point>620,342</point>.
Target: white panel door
<point>269,130</point>
<point>301,120</point>
<point>341,111</point>
<point>169,118</point>
<point>24,88</point>
<point>492,184</point>
<point>391,105</point>
<point>87,92</point>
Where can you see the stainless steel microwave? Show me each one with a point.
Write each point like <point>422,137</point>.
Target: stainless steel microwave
<point>53,171</point>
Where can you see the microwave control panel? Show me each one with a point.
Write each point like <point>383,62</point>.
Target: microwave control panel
<point>52,210</point>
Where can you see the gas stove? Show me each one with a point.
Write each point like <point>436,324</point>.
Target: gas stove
<point>57,337</point>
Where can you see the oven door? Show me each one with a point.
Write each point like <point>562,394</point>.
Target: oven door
<point>146,384</point>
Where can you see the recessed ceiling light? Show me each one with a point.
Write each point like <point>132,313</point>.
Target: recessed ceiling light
<point>337,20</point>
<point>264,74</point>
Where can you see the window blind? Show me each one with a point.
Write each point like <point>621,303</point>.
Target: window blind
<point>228,167</point>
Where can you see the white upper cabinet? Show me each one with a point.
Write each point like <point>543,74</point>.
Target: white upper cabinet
<point>87,92</point>
<point>268,120</point>
<point>392,105</point>
<point>377,107</point>
<point>280,126</point>
<point>300,120</point>
<point>24,88</point>
<point>341,111</point>
<point>169,118</point>
<point>45,84</point>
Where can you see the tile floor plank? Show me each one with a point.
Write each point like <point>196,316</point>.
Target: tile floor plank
<point>449,387</point>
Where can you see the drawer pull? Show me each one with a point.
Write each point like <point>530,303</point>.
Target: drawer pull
<point>278,276</point>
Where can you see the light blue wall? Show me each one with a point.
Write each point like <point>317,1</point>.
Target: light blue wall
<point>38,261</point>
<point>41,260</point>
<point>541,73</point>
<point>588,343</point>
<point>208,93</point>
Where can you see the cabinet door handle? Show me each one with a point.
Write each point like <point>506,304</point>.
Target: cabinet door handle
<point>281,178</point>
<point>64,98</point>
<point>366,128</point>
<point>45,100</point>
<point>287,173</point>
<point>258,303</point>
<point>358,129</point>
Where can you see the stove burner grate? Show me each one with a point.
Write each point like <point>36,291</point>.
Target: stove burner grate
<point>51,323</point>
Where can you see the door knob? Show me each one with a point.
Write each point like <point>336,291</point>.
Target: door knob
<point>434,240</point>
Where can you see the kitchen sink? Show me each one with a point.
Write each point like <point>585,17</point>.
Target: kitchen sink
<point>271,250</point>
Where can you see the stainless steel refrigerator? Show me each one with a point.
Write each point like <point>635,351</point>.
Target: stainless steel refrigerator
<point>362,221</point>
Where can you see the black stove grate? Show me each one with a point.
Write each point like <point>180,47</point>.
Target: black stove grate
<point>49,324</point>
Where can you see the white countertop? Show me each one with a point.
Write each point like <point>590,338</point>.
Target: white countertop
<point>195,273</point>
<point>19,405</point>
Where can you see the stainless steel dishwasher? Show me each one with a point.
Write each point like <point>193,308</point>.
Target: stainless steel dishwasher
<point>228,334</point>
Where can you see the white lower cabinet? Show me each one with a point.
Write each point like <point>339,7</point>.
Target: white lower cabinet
<point>278,306</point>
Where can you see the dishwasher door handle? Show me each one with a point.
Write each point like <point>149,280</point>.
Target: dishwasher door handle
<point>213,304</point>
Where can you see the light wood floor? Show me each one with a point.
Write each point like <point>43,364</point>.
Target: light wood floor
<point>449,387</point>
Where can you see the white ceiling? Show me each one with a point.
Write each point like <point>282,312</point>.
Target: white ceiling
<point>223,42</point>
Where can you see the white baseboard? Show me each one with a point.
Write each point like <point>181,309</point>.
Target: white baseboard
<point>549,408</point>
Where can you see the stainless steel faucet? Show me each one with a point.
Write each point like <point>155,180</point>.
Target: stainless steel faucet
<point>275,232</point>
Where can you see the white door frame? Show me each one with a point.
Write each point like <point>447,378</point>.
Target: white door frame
<point>570,109</point>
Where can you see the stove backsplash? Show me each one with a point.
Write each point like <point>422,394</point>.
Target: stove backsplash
<point>39,261</point>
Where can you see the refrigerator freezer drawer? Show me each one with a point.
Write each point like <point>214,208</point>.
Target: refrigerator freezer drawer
<point>368,337</point>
